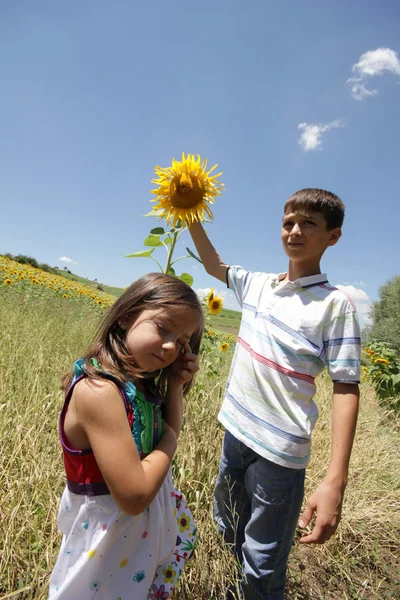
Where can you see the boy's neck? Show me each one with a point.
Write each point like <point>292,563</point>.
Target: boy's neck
<point>297,270</point>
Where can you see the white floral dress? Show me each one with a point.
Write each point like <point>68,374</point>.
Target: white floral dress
<point>106,554</point>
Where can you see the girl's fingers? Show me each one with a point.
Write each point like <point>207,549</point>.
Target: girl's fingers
<point>185,375</point>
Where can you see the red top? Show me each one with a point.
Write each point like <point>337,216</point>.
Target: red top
<point>83,474</point>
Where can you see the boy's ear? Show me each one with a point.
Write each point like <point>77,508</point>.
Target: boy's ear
<point>336,234</point>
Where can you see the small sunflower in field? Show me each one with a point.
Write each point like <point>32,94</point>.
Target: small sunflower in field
<point>185,190</point>
<point>215,306</point>
<point>381,361</point>
<point>224,347</point>
<point>210,296</point>
<point>7,281</point>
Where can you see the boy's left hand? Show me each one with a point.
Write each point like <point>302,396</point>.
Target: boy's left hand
<point>184,368</point>
<point>326,502</point>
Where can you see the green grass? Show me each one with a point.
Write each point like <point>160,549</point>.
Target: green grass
<point>227,321</point>
<point>40,339</point>
<point>108,289</point>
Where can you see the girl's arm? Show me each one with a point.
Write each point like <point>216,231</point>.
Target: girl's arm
<point>173,408</point>
<point>183,370</point>
<point>133,483</point>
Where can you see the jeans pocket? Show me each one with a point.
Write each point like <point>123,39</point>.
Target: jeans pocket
<point>272,484</point>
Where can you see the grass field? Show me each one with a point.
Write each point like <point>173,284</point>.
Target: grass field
<point>108,289</point>
<point>39,340</point>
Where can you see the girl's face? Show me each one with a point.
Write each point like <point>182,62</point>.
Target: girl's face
<point>157,337</point>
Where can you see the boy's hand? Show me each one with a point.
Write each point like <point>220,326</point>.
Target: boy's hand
<point>184,368</point>
<point>326,502</point>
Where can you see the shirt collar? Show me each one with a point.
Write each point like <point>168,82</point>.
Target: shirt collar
<point>309,281</point>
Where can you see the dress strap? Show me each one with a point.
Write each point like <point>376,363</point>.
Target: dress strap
<point>143,409</point>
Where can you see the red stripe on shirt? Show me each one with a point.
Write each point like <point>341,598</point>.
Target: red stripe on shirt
<point>330,287</point>
<point>273,365</point>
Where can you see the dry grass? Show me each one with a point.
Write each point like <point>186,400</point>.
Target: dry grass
<point>39,340</point>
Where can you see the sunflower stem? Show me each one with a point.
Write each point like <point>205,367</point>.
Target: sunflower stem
<point>180,258</point>
<point>156,261</point>
<point>171,251</point>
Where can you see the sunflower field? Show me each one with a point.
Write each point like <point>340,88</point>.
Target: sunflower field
<point>35,283</point>
<point>382,368</point>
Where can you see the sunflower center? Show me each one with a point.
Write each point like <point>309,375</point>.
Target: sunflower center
<point>185,184</point>
<point>186,191</point>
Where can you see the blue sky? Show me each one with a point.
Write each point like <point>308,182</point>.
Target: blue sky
<point>95,93</point>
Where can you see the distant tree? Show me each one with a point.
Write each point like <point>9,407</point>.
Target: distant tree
<point>385,314</point>
<point>45,267</point>
<point>26,260</point>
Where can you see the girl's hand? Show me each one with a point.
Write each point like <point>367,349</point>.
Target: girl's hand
<point>184,368</point>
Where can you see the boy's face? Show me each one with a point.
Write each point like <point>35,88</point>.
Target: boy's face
<point>305,236</point>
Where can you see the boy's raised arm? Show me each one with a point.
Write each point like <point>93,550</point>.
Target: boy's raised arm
<point>212,262</point>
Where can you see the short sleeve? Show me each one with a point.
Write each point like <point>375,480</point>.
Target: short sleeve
<point>342,344</point>
<point>238,280</point>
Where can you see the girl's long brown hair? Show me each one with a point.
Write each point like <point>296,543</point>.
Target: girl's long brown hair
<point>154,291</point>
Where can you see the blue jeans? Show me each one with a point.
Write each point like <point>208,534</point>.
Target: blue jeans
<point>256,506</point>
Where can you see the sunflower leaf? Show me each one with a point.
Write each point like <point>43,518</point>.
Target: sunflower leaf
<point>140,254</point>
<point>186,278</point>
<point>193,255</point>
<point>157,231</point>
<point>171,271</point>
<point>152,240</point>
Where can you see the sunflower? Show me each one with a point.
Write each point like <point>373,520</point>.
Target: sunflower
<point>224,347</point>
<point>7,281</point>
<point>381,361</point>
<point>215,306</point>
<point>210,296</point>
<point>185,190</point>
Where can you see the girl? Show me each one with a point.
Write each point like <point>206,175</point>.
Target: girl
<point>127,532</point>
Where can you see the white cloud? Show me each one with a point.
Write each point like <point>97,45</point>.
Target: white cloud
<point>310,138</point>
<point>67,260</point>
<point>372,63</point>
<point>361,283</point>
<point>361,300</point>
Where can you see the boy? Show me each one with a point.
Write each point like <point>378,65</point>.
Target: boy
<point>293,325</point>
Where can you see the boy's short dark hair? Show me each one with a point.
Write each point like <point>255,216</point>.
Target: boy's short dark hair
<point>321,201</point>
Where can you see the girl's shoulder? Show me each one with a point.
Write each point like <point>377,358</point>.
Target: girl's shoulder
<point>93,396</point>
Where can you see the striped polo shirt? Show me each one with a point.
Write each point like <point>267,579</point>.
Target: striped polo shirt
<point>288,333</point>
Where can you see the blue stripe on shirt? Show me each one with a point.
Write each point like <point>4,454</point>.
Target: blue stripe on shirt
<point>284,434</point>
<point>346,341</point>
<point>287,457</point>
<point>288,329</point>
